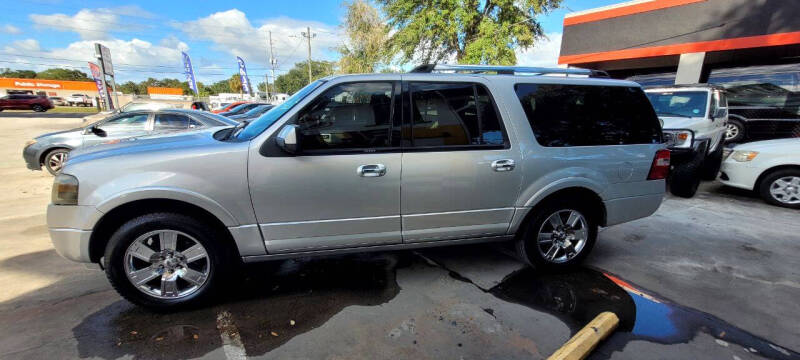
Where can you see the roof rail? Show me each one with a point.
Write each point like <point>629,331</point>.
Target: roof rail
<point>507,70</point>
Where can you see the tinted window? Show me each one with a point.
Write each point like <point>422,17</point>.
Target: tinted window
<point>759,86</point>
<point>581,115</point>
<point>126,123</point>
<point>347,116</point>
<point>453,114</point>
<point>171,122</point>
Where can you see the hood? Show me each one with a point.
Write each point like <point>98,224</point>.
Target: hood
<point>677,122</point>
<point>62,132</point>
<point>785,146</point>
<point>167,142</point>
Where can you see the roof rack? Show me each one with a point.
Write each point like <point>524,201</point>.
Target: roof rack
<point>507,70</point>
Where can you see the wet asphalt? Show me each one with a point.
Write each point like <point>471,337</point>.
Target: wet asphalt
<point>457,302</point>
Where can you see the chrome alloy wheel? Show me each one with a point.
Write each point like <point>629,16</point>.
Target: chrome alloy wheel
<point>786,190</point>
<point>57,160</point>
<point>731,131</point>
<point>167,264</point>
<point>562,236</point>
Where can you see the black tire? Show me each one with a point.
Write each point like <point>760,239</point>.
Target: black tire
<point>49,162</point>
<point>219,259</point>
<point>37,108</point>
<point>527,245</point>
<point>684,180</point>
<point>767,182</point>
<point>739,136</point>
<point>712,164</point>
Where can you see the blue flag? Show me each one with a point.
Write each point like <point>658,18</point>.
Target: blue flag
<point>189,72</point>
<point>243,76</point>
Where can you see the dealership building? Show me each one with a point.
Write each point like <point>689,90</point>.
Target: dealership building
<point>687,37</point>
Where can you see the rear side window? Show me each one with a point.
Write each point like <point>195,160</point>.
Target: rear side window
<point>453,114</point>
<point>584,115</point>
<point>171,122</point>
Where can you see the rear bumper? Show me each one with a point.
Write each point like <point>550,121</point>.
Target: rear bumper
<point>631,208</point>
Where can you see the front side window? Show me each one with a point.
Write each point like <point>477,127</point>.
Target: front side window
<point>347,116</point>
<point>171,122</point>
<point>262,123</point>
<point>679,103</point>
<point>453,114</point>
<point>583,115</point>
<point>136,122</point>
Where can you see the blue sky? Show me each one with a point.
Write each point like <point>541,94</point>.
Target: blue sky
<point>146,36</point>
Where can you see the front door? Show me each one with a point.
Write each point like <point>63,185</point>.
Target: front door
<point>459,177</point>
<point>343,188</point>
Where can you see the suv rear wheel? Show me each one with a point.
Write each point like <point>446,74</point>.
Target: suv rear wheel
<point>37,108</point>
<point>166,261</point>
<point>560,234</point>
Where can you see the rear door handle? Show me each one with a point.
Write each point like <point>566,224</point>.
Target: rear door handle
<point>503,165</point>
<point>372,170</point>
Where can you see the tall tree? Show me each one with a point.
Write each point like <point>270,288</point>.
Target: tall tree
<point>63,74</point>
<point>19,74</point>
<point>235,83</point>
<point>367,35</point>
<point>471,31</point>
<point>297,77</point>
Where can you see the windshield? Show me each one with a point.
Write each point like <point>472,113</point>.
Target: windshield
<point>679,103</point>
<point>262,123</point>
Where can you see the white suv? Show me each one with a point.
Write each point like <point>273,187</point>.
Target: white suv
<point>694,120</point>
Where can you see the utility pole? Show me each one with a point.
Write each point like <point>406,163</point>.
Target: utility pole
<point>308,35</point>
<point>272,62</point>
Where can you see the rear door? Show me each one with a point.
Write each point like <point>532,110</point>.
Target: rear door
<point>459,178</point>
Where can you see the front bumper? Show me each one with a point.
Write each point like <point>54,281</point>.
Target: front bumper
<point>71,229</point>
<point>738,174</point>
<point>31,156</point>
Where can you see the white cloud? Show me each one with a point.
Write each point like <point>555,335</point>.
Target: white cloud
<point>27,45</point>
<point>90,23</point>
<point>544,53</point>
<point>232,32</point>
<point>10,29</point>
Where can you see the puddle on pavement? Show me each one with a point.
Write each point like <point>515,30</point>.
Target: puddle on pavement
<point>578,296</point>
<point>279,301</point>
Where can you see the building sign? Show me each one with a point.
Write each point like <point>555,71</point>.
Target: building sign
<point>12,83</point>
<point>105,57</point>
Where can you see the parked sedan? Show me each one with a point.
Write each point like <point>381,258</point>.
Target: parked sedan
<point>253,113</point>
<point>228,107</point>
<point>51,150</point>
<point>771,168</point>
<point>241,109</point>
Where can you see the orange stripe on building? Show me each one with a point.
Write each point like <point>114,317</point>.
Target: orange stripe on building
<point>677,49</point>
<point>631,9</point>
<point>38,84</point>
<point>164,90</point>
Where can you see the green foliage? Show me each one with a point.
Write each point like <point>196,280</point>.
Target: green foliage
<point>367,35</point>
<point>475,31</point>
<point>235,83</point>
<point>20,74</point>
<point>297,77</point>
<point>63,74</point>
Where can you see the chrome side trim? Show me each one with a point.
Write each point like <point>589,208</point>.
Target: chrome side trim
<point>390,247</point>
<point>330,220</point>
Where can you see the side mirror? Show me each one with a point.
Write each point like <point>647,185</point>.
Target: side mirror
<point>288,140</point>
<point>98,131</point>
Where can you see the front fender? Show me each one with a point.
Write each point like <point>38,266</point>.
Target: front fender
<point>171,193</point>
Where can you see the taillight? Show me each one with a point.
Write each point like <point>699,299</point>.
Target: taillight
<point>660,167</point>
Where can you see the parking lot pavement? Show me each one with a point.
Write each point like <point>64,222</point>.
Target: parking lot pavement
<point>711,277</point>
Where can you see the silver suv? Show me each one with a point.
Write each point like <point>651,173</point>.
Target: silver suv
<point>443,155</point>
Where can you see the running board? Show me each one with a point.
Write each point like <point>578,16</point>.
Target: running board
<point>362,249</point>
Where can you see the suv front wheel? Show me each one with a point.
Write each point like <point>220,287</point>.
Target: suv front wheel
<point>165,261</point>
<point>560,234</point>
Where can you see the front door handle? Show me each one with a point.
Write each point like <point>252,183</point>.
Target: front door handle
<point>371,170</point>
<point>503,165</point>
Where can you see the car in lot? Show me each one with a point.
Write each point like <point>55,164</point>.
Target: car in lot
<point>356,163</point>
<point>51,150</point>
<point>694,123</point>
<point>59,101</point>
<point>241,109</point>
<point>771,168</point>
<point>252,113</point>
<point>79,100</point>
<point>36,103</point>
<point>228,106</point>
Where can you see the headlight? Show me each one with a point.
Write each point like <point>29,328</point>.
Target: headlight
<point>742,156</point>
<point>30,142</point>
<point>678,138</point>
<point>65,190</point>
